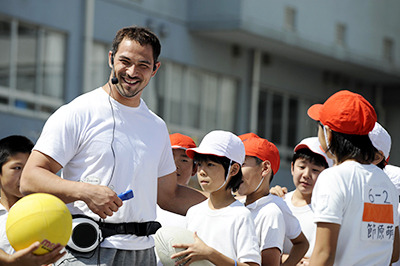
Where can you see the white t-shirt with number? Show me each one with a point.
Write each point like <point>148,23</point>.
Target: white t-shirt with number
<point>363,200</point>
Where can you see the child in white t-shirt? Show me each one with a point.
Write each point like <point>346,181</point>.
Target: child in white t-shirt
<point>308,161</point>
<point>224,229</point>
<point>14,152</point>
<point>354,202</point>
<point>185,169</point>
<point>272,217</point>
<point>382,141</point>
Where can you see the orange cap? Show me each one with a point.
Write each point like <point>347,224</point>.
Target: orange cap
<point>264,150</point>
<point>180,141</point>
<point>345,112</point>
<point>248,135</point>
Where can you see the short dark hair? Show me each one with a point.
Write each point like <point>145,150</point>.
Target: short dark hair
<point>357,147</point>
<point>142,35</point>
<point>312,157</point>
<point>235,181</point>
<point>11,145</point>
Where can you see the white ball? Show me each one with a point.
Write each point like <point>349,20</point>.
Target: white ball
<point>167,236</point>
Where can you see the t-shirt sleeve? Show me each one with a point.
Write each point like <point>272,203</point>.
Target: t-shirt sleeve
<point>327,199</point>
<point>272,229</point>
<point>59,139</point>
<point>167,163</point>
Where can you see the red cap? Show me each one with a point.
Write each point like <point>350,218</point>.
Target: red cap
<point>179,141</point>
<point>264,150</point>
<point>345,112</point>
<point>248,135</point>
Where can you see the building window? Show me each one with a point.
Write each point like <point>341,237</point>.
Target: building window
<point>32,69</point>
<point>282,119</point>
<point>100,71</point>
<point>193,100</point>
<point>341,31</point>
<point>290,18</point>
<point>388,49</point>
<point>5,51</point>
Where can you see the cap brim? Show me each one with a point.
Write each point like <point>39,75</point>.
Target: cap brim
<point>178,147</point>
<point>191,152</point>
<point>314,111</point>
<point>301,146</point>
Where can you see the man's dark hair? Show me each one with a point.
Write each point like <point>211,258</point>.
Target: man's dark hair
<point>312,157</point>
<point>142,35</point>
<point>11,145</point>
<point>235,180</point>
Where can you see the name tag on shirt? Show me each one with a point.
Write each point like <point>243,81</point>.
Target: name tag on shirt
<point>377,220</point>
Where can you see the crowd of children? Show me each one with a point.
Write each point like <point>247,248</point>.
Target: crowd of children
<point>343,211</point>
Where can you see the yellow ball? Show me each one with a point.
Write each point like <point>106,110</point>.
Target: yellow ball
<point>39,217</point>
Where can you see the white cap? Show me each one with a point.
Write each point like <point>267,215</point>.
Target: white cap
<point>381,139</point>
<point>313,145</point>
<point>220,143</point>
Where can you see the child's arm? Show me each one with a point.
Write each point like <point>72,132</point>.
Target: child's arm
<point>27,258</point>
<point>270,257</point>
<point>325,244</point>
<point>300,247</point>
<point>396,246</point>
<point>200,251</point>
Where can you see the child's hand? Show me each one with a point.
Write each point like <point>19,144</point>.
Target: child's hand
<point>278,191</point>
<point>27,258</point>
<point>193,252</point>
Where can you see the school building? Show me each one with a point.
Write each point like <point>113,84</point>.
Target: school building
<point>238,65</point>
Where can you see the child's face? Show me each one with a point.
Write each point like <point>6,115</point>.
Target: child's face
<point>252,175</point>
<point>11,174</point>
<point>305,175</point>
<point>184,166</point>
<point>211,175</point>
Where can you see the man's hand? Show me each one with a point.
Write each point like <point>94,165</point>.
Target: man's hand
<point>101,200</point>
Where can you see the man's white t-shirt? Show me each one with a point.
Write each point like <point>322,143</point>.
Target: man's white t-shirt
<point>229,230</point>
<point>363,200</point>
<point>97,140</point>
<point>305,215</point>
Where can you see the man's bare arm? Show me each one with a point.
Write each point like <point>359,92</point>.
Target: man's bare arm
<point>39,175</point>
<point>176,198</point>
